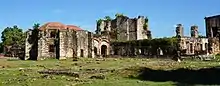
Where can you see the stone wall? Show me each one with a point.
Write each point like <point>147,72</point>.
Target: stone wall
<point>193,45</point>
<point>124,28</point>
<point>82,43</point>
<point>44,42</point>
<point>194,31</point>
<point>138,48</point>
<point>90,45</point>
<point>28,45</point>
<point>212,26</point>
<point>140,28</point>
<point>67,44</point>
<point>132,25</point>
<point>31,45</point>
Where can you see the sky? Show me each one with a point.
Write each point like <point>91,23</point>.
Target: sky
<point>163,15</point>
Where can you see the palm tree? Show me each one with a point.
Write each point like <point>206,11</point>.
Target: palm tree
<point>36,26</point>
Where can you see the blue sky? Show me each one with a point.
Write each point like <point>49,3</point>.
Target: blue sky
<point>162,14</point>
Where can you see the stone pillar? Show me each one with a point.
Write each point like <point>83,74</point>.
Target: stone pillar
<point>27,46</point>
<point>140,27</point>
<point>42,46</point>
<point>62,50</point>
<point>90,45</point>
<point>179,30</point>
<point>179,35</point>
<point>194,31</point>
<point>210,45</point>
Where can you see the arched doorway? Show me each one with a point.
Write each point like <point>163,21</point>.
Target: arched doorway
<point>104,50</point>
<point>95,51</point>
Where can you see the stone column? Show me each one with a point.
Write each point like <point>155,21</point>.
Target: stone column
<point>27,46</point>
<point>62,50</point>
<point>179,30</point>
<point>179,35</point>
<point>194,31</point>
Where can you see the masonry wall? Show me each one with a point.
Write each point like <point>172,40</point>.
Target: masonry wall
<point>123,28</point>
<point>82,44</point>
<point>212,26</point>
<point>140,28</point>
<point>132,24</point>
<point>67,44</point>
<point>44,42</point>
<point>28,45</point>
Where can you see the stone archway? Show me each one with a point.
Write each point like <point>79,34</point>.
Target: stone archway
<point>104,50</point>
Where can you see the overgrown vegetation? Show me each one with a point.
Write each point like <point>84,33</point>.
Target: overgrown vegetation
<point>159,42</point>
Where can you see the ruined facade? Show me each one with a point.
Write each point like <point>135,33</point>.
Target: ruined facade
<point>191,45</point>
<point>212,24</point>
<point>56,40</point>
<point>123,28</point>
<point>188,45</point>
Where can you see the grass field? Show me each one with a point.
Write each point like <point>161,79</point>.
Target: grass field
<point>108,72</point>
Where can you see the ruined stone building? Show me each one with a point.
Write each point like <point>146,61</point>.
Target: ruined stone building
<point>56,40</point>
<point>212,24</point>
<point>190,45</point>
<point>123,28</point>
<point>193,44</point>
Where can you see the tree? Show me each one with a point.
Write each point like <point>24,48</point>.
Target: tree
<point>35,31</point>
<point>13,37</point>
<point>36,26</point>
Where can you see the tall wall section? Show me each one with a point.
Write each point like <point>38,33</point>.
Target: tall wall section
<point>67,44</point>
<point>82,43</point>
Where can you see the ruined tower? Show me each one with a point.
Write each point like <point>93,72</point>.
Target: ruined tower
<point>194,31</point>
<point>179,35</point>
<point>123,28</point>
<point>179,30</point>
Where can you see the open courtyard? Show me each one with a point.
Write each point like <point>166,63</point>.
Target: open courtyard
<point>108,72</point>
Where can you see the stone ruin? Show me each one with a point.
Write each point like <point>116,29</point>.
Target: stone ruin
<point>123,28</point>
<point>191,45</point>
<point>187,45</point>
<point>56,40</point>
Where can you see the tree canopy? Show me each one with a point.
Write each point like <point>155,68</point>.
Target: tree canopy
<point>13,35</point>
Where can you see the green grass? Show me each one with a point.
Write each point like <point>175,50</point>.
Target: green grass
<point>116,72</point>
